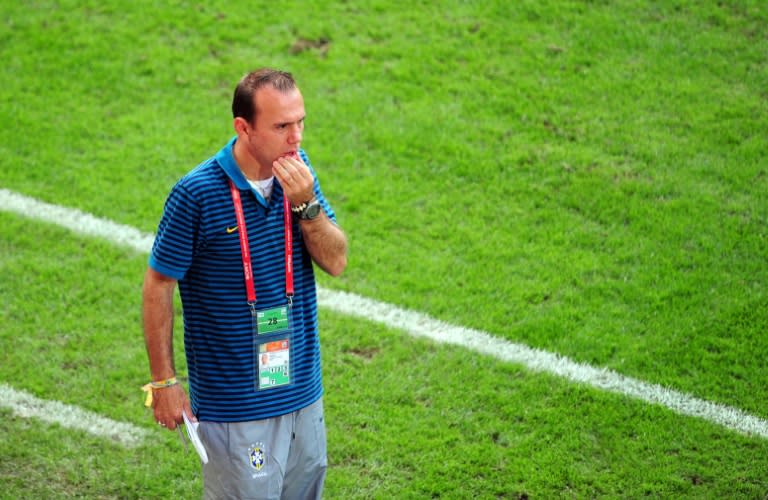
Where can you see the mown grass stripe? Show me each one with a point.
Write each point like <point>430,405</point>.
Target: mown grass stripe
<point>26,405</point>
<point>421,325</point>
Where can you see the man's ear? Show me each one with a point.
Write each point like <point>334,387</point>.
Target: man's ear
<point>240,126</point>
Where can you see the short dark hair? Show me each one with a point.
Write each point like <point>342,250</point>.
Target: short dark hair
<point>242,102</point>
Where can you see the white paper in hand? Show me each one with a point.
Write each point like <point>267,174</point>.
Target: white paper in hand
<point>191,428</point>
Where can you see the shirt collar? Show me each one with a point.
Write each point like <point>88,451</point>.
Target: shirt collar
<point>226,158</point>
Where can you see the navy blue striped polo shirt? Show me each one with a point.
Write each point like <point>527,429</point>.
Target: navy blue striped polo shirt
<point>197,245</point>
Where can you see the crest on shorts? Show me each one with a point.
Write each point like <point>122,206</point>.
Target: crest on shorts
<point>257,456</point>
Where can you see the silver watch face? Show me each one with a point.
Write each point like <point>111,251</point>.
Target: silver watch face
<point>312,211</point>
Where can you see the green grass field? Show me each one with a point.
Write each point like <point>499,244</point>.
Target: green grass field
<point>589,178</point>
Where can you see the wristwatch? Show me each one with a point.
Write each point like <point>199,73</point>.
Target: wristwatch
<point>307,210</point>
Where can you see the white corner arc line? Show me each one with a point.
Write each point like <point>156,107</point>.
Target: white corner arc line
<point>26,405</point>
<point>421,325</point>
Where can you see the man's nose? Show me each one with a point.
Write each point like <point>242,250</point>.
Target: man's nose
<point>295,135</point>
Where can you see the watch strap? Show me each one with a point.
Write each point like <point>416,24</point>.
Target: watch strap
<point>301,207</point>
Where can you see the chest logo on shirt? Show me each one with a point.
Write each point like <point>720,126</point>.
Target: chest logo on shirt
<point>231,230</point>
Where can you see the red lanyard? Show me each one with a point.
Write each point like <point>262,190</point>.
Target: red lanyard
<point>250,289</point>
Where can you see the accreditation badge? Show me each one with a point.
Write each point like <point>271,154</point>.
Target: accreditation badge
<point>273,347</point>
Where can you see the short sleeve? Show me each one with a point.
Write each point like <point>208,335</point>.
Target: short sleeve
<point>178,234</point>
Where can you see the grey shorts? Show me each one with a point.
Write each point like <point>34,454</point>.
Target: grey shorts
<point>276,458</point>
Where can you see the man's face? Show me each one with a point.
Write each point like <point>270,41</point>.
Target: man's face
<point>278,126</point>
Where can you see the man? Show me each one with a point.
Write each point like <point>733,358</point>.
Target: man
<point>245,276</point>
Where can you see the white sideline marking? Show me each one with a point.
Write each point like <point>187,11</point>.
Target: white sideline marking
<point>75,220</point>
<point>421,325</point>
<point>26,405</point>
